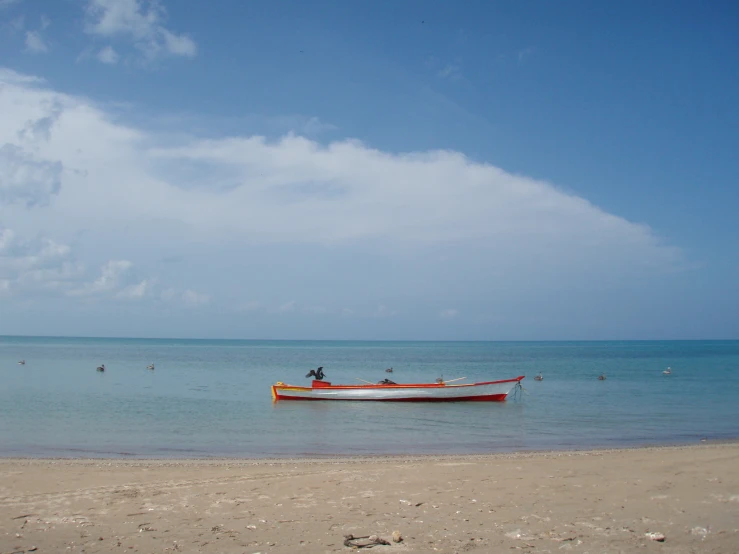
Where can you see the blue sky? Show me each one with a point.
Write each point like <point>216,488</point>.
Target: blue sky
<point>369,170</point>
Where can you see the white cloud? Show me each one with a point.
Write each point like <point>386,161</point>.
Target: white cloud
<point>7,3</point>
<point>35,43</point>
<point>128,192</point>
<point>108,55</point>
<point>114,276</point>
<point>36,265</point>
<point>142,23</point>
<point>40,265</point>
<point>194,299</point>
<point>449,314</point>
<point>187,298</point>
<point>118,280</point>
<point>179,45</point>
<point>298,190</point>
<point>26,178</point>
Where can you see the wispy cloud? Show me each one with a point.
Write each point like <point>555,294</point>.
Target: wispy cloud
<point>384,311</point>
<point>250,307</point>
<point>7,3</point>
<point>142,23</point>
<point>193,299</point>
<point>17,24</point>
<point>451,72</point>
<point>526,53</point>
<point>449,314</point>
<point>35,42</point>
<point>11,77</point>
<point>108,55</point>
<point>299,124</point>
<point>287,307</point>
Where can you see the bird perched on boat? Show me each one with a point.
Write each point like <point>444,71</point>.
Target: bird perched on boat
<point>101,367</point>
<point>22,362</point>
<point>389,370</point>
<point>150,366</point>
<point>317,373</point>
<point>539,377</point>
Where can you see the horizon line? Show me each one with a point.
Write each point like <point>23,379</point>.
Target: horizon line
<point>355,340</point>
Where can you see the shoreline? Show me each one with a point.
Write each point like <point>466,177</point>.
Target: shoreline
<point>605,500</point>
<point>133,459</point>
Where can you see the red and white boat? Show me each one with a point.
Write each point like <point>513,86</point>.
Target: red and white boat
<point>431,392</point>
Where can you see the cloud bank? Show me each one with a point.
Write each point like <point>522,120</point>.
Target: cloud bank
<point>277,225</point>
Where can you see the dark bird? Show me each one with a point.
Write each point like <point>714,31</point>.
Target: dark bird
<point>317,373</point>
<point>386,382</point>
<point>101,367</point>
<point>22,362</point>
<point>389,370</point>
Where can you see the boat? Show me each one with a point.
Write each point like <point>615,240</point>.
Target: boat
<point>539,377</point>
<point>667,371</point>
<point>388,391</point>
<point>602,377</point>
<point>150,366</point>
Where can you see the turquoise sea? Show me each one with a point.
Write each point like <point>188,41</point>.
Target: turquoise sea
<point>211,398</point>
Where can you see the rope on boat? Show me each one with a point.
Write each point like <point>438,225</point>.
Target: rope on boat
<point>372,540</point>
<point>518,391</point>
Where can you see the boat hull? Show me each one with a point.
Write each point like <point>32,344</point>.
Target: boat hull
<point>491,391</point>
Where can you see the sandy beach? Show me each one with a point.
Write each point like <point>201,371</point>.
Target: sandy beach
<point>596,501</point>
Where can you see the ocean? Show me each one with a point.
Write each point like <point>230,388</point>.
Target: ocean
<point>211,398</point>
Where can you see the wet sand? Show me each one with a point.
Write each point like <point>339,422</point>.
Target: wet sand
<point>597,501</point>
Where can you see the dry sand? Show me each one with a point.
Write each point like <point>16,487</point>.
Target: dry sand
<point>600,501</point>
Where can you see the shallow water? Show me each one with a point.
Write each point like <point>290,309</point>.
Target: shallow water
<point>212,398</point>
